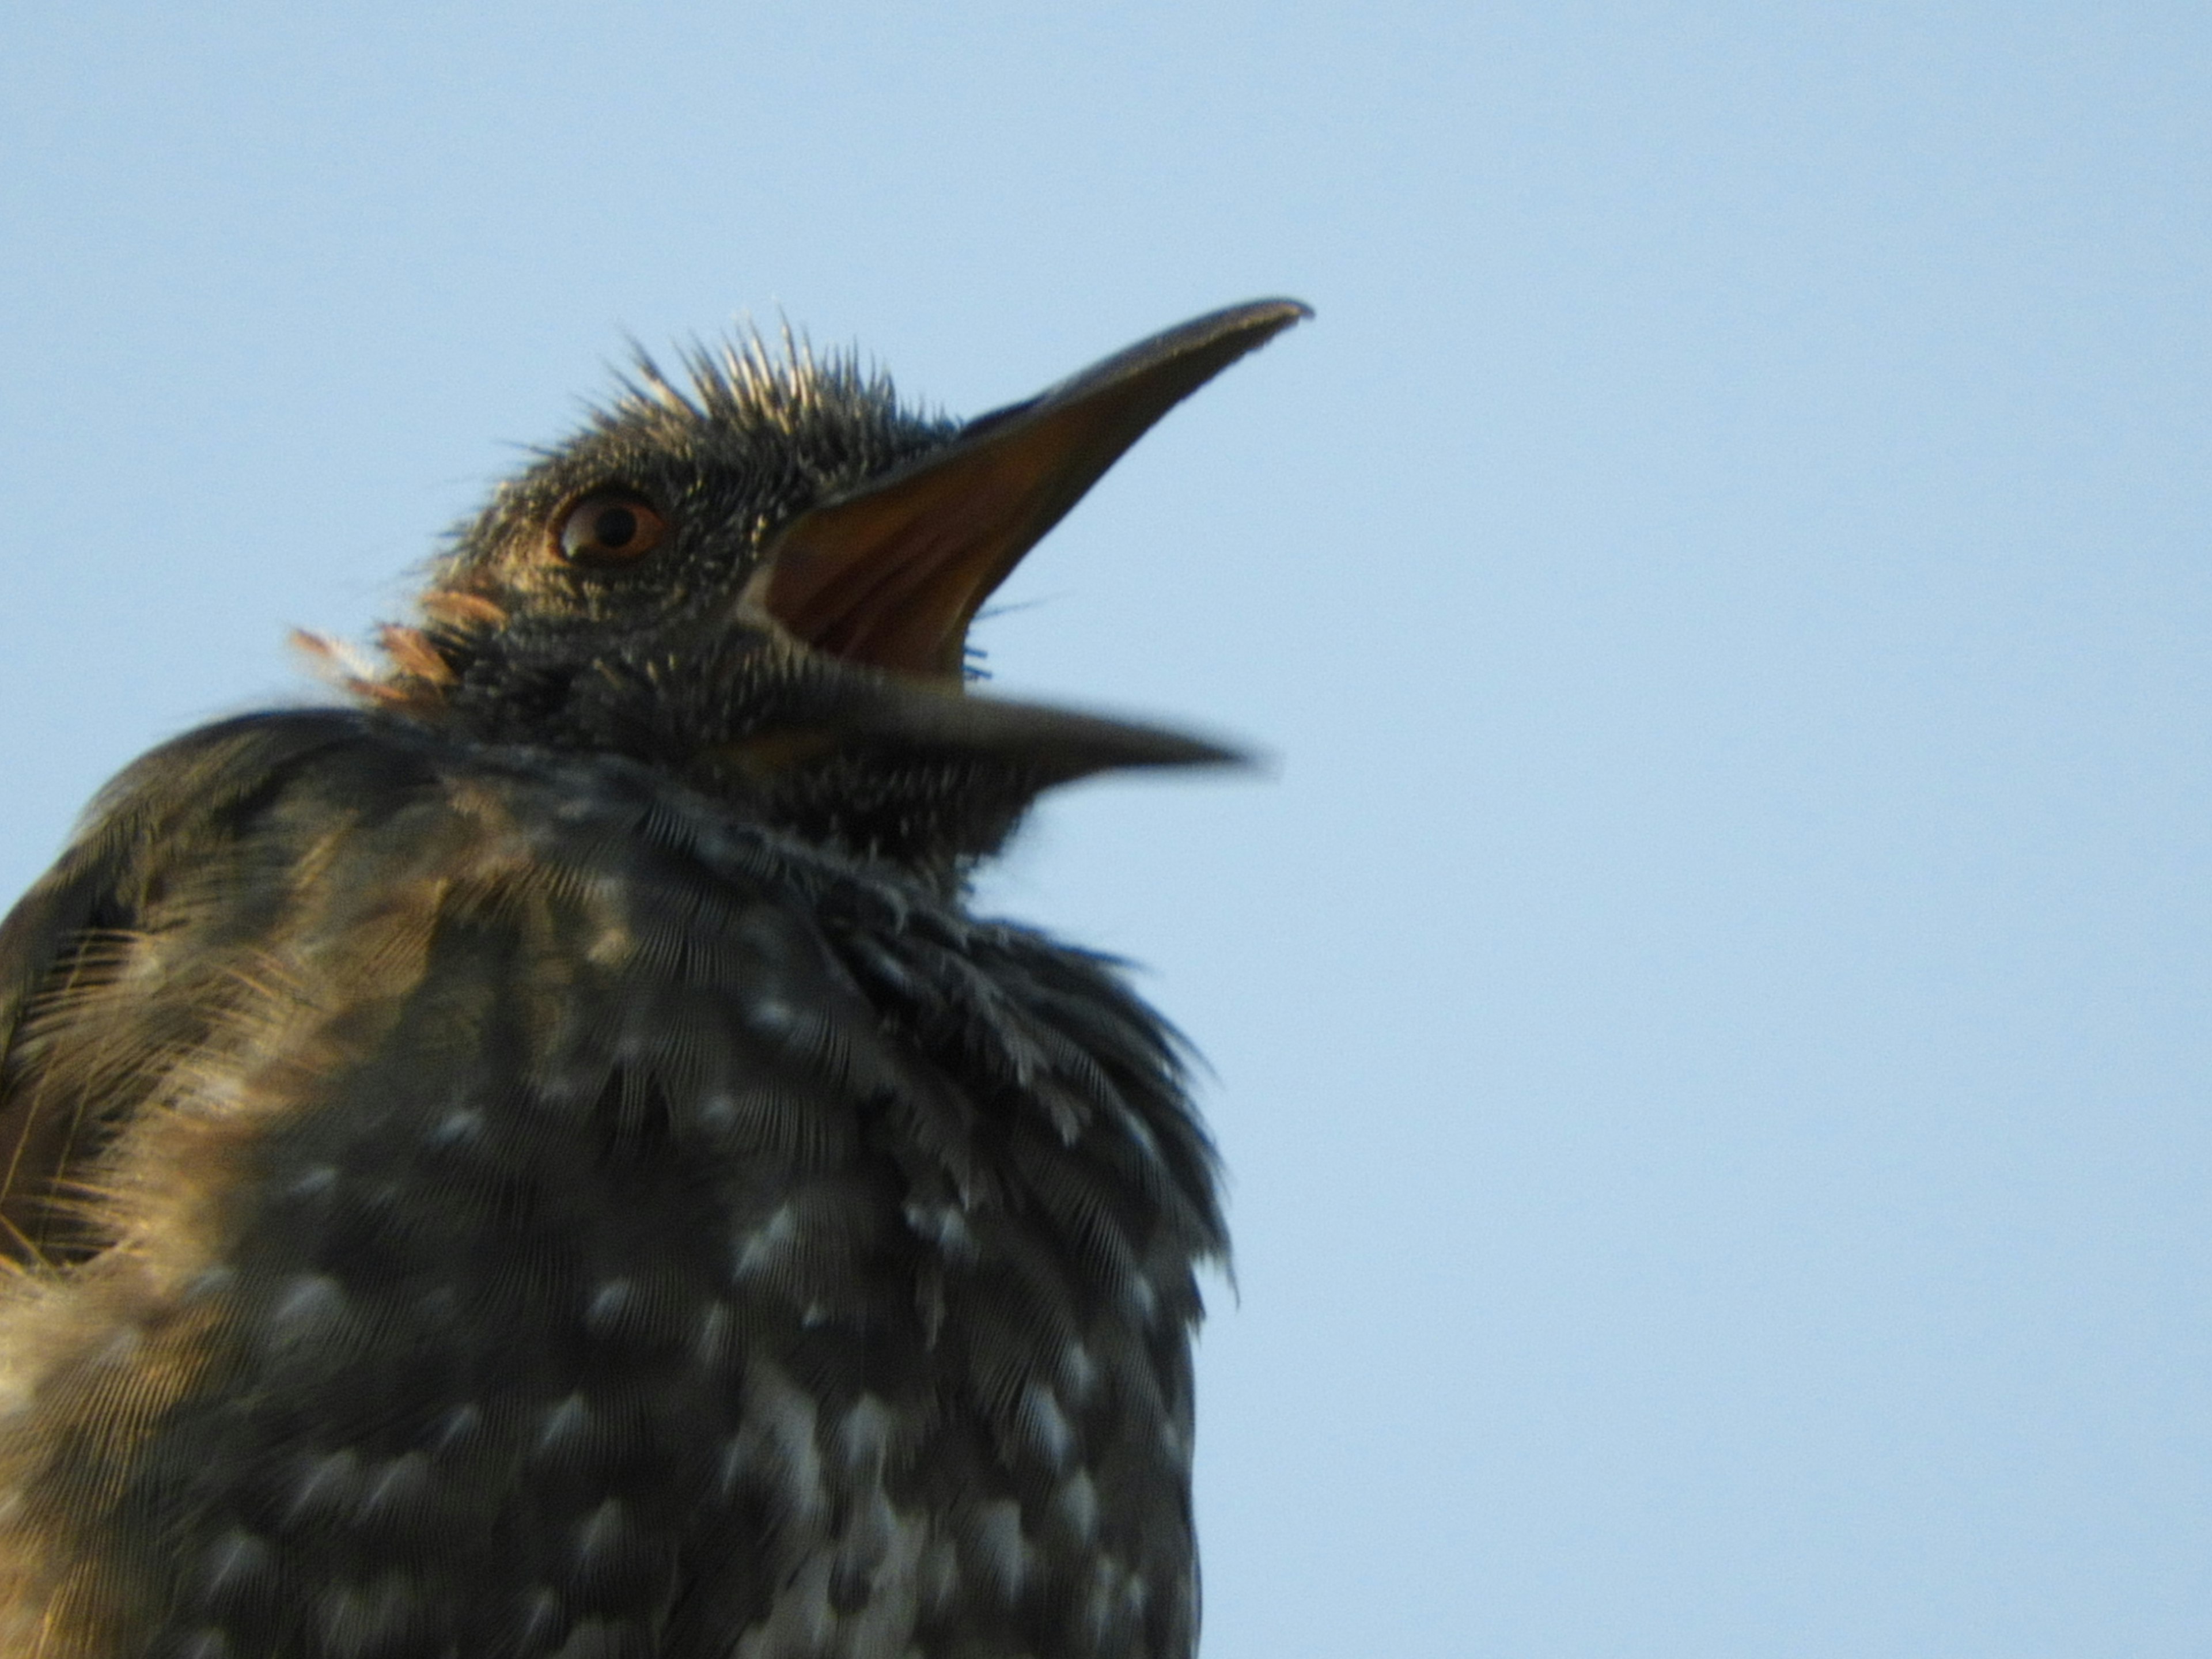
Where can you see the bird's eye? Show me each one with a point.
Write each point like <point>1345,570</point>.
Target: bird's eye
<point>610,527</point>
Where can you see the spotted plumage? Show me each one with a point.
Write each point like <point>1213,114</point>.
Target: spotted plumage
<point>544,1160</point>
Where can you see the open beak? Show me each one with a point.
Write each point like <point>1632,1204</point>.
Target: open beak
<point>891,574</point>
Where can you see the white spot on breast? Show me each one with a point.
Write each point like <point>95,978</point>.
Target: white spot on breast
<point>717,1114</point>
<point>710,1345</point>
<point>863,1436</point>
<point>882,1550</point>
<point>757,1250</point>
<point>945,1226</point>
<point>1077,1505</point>
<point>358,1620</point>
<point>1140,1134</point>
<point>1044,1425</point>
<point>771,1016</point>
<point>313,1183</point>
<point>612,947</point>
<point>310,1309</point>
<point>540,1620</point>
<point>461,1127</point>
<point>996,1547</point>
<point>457,1428</point>
<point>1104,1607</point>
<point>610,1305</point>
<point>776,1442</point>
<point>1175,1440</point>
<point>566,1426</point>
<point>604,1533</point>
<point>1078,1373</point>
<point>799,1622</point>
<point>237,1565</point>
<point>327,1487</point>
<point>937,1575</point>
<point>396,1491</point>
<point>210,1282</point>
<point>1143,1300</point>
<point>731,1465</point>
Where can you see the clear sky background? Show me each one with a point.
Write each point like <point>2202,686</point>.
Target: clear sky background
<point>1710,1015</point>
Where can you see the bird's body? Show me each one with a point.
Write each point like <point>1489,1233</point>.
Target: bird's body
<point>546,1163</point>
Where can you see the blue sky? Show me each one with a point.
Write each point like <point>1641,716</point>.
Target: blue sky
<point>1709,1013</point>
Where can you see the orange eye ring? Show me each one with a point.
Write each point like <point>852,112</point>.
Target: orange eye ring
<point>609,529</point>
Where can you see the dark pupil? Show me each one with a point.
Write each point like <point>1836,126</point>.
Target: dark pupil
<point>615,528</point>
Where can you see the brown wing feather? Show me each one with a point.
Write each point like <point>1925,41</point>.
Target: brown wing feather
<point>77,931</point>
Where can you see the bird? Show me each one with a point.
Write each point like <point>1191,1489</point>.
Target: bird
<point>541,1155</point>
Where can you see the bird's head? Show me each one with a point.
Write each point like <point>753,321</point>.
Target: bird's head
<point>762,581</point>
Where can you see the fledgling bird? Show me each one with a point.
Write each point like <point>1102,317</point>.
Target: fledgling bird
<point>543,1160</point>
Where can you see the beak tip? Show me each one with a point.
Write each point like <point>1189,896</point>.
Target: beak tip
<point>1229,758</point>
<point>1167,750</point>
